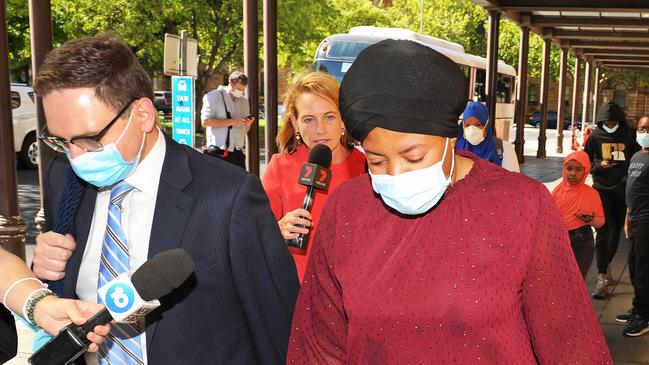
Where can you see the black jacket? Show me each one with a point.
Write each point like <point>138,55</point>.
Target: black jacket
<point>238,305</point>
<point>8,337</point>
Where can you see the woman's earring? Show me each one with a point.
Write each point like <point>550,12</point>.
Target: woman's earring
<point>297,137</point>
<point>342,133</point>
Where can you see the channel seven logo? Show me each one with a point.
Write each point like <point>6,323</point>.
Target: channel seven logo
<point>119,298</point>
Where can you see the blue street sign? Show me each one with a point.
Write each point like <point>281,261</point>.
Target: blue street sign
<point>182,107</point>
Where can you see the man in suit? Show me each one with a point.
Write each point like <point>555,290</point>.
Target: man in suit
<point>142,194</point>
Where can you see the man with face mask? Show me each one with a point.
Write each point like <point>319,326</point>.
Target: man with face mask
<point>141,194</point>
<point>226,118</point>
<point>609,148</point>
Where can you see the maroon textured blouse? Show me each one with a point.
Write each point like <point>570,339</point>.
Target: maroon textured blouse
<point>486,277</point>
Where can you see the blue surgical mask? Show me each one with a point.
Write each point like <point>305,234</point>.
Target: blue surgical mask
<point>414,192</point>
<point>642,139</point>
<point>610,130</point>
<point>106,167</point>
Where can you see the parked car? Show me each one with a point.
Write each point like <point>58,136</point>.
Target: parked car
<point>535,120</point>
<point>162,101</point>
<point>23,111</point>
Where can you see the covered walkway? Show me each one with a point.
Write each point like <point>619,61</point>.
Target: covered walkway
<point>601,34</point>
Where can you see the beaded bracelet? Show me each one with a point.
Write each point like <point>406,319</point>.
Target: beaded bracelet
<point>33,299</point>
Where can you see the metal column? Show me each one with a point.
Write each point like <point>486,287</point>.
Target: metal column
<point>251,69</point>
<point>545,83</point>
<point>492,64</point>
<point>586,98</point>
<point>40,24</point>
<point>575,99</point>
<point>270,75</point>
<point>12,225</point>
<point>521,93</point>
<point>561,105</point>
<point>596,93</point>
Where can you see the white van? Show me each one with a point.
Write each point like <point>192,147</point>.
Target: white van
<point>23,110</point>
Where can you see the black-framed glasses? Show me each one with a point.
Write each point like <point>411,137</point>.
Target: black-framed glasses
<point>643,130</point>
<point>86,143</point>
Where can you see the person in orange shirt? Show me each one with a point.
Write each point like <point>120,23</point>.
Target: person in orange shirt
<point>312,117</point>
<point>580,208</point>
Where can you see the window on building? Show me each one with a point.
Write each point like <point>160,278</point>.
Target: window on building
<point>533,95</point>
<point>619,95</point>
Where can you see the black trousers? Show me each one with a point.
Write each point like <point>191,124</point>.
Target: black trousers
<point>608,236</point>
<point>583,246</point>
<point>236,157</point>
<point>639,266</point>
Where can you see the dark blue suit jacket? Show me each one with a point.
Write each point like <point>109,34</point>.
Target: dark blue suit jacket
<point>237,307</point>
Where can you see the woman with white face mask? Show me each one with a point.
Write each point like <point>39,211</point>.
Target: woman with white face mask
<point>435,256</point>
<point>475,134</point>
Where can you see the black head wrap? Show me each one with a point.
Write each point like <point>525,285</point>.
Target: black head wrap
<point>405,87</point>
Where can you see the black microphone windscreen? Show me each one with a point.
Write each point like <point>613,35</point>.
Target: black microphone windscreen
<point>320,155</point>
<point>162,273</point>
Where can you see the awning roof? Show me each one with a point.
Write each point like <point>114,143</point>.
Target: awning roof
<point>610,33</point>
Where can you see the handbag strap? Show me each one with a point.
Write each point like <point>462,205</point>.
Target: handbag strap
<point>227,113</point>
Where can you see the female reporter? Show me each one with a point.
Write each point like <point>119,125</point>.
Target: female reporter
<point>26,296</point>
<point>435,257</point>
<point>312,117</point>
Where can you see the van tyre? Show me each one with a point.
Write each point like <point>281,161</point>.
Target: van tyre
<point>28,155</point>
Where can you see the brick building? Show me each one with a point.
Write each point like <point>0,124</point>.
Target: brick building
<point>632,96</point>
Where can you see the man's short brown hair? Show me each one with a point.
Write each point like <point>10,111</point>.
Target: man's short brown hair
<point>103,63</point>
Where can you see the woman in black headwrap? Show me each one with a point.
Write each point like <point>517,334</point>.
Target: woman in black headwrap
<point>435,256</point>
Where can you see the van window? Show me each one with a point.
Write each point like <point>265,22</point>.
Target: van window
<point>341,49</point>
<point>15,100</point>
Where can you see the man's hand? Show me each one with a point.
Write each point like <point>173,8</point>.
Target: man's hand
<point>51,255</point>
<point>52,314</point>
<point>288,223</point>
<point>249,122</point>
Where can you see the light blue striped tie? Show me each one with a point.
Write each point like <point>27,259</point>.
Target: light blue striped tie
<point>122,346</point>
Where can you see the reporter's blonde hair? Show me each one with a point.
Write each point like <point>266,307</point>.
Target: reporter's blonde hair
<point>319,83</point>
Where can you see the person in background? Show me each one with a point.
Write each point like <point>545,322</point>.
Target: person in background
<point>226,118</point>
<point>609,148</point>
<point>580,208</point>
<point>637,228</point>
<point>311,117</point>
<point>435,256</point>
<point>475,134</point>
<point>26,296</point>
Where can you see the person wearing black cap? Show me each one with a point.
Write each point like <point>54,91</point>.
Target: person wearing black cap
<point>609,149</point>
<point>436,256</point>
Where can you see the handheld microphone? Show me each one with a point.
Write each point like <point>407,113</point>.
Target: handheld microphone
<point>315,174</point>
<point>126,301</point>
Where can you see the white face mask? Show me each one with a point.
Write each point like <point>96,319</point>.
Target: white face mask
<point>610,130</point>
<point>414,192</point>
<point>236,93</point>
<point>642,139</point>
<point>473,135</point>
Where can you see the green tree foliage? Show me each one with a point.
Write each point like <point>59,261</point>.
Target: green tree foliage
<point>19,44</point>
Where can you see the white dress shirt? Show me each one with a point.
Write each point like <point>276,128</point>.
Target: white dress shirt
<point>136,223</point>
<point>213,108</point>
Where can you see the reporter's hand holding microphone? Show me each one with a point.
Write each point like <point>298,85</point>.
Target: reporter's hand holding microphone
<point>28,297</point>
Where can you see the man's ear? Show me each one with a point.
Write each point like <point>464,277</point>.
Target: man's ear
<point>146,114</point>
